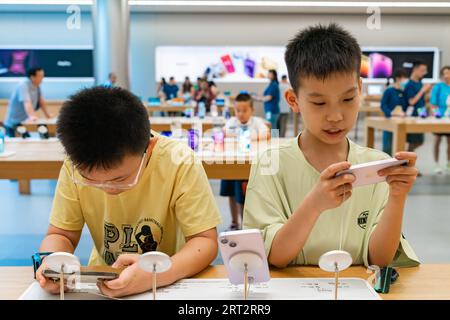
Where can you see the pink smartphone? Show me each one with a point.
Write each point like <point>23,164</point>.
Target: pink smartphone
<point>244,243</point>
<point>367,173</point>
<point>228,63</point>
<point>380,66</point>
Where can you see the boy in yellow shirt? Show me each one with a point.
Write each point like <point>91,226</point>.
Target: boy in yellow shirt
<point>135,190</point>
<point>302,208</point>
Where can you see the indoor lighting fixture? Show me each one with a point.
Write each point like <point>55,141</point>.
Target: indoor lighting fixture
<point>47,2</point>
<point>293,4</point>
<point>222,3</point>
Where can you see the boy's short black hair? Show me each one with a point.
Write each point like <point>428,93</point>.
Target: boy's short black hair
<point>99,126</point>
<point>244,97</point>
<point>320,51</point>
<point>284,77</point>
<point>33,71</point>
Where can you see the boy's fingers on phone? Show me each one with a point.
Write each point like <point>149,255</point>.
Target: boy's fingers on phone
<point>344,189</point>
<point>107,291</point>
<point>331,171</point>
<point>39,275</point>
<point>42,281</point>
<point>54,288</point>
<point>407,171</point>
<point>103,289</point>
<point>405,155</point>
<point>400,178</point>
<point>347,178</point>
<point>119,283</point>
<point>124,260</point>
<point>348,195</point>
<point>50,286</point>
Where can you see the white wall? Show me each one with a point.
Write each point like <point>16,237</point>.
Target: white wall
<point>149,30</point>
<point>43,29</point>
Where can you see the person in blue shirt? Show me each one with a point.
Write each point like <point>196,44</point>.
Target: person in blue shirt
<point>440,102</point>
<point>393,96</point>
<point>415,93</point>
<point>26,99</point>
<point>112,80</point>
<point>271,99</point>
<point>170,89</point>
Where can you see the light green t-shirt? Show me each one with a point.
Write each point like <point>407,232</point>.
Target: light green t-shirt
<point>272,197</point>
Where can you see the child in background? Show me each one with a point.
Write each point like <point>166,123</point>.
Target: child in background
<point>415,93</point>
<point>440,101</point>
<point>302,208</point>
<point>393,97</point>
<point>244,119</point>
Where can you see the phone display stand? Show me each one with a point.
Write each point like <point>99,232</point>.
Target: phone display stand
<point>335,261</point>
<point>155,262</point>
<point>246,262</point>
<point>23,132</point>
<point>43,131</point>
<point>62,262</point>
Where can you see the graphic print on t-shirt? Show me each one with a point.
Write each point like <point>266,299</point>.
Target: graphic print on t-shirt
<point>143,237</point>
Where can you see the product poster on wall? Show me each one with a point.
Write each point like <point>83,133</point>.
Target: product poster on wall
<point>251,64</point>
<point>222,64</point>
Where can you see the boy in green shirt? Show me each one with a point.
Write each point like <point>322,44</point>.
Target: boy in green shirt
<point>302,208</point>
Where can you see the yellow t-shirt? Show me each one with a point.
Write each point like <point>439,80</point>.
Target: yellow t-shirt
<point>271,199</point>
<point>172,196</point>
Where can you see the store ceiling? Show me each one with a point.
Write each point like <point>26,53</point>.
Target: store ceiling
<point>438,7</point>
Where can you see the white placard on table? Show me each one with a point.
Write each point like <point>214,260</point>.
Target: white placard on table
<point>221,289</point>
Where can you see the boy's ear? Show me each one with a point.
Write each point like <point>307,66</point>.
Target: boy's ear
<point>292,100</point>
<point>360,86</point>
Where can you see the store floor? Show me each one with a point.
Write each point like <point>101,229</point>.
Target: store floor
<point>24,219</point>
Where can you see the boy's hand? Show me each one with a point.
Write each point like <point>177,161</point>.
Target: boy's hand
<point>329,191</point>
<point>47,284</point>
<point>426,87</point>
<point>132,279</point>
<point>401,179</point>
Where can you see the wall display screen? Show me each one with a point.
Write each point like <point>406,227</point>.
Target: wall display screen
<point>380,63</point>
<point>251,64</point>
<point>221,64</point>
<point>57,63</point>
